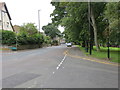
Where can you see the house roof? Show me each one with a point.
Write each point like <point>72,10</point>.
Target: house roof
<point>2,4</point>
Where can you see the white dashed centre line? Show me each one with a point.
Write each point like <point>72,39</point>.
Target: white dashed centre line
<point>61,62</point>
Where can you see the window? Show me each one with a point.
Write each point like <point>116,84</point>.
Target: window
<point>7,24</point>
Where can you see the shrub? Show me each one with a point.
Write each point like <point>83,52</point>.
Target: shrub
<point>55,42</point>
<point>47,40</point>
<point>22,38</point>
<point>38,38</point>
<point>25,39</point>
<point>8,37</point>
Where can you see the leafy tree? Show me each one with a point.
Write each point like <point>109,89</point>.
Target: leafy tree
<point>51,30</point>
<point>29,28</point>
<point>112,11</point>
<point>75,20</point>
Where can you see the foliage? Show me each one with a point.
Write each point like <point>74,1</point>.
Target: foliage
<point>73,16</point>
<point>47,40</point>
<point>55,42</point>
<point>51,30</point>
<point>28,35</point>
<point>112,11</point>
<point>24,39</point>
<point>8,37</point>
<point>28,28</point>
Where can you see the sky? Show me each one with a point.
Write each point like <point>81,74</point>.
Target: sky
<point>26,11</point>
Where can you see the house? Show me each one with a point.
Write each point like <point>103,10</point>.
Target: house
<point>5,19</point>
<point>16,28</point>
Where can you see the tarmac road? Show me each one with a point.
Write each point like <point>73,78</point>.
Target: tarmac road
<point>56,67</point>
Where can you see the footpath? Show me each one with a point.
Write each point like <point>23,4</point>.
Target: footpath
<point>75,52</point>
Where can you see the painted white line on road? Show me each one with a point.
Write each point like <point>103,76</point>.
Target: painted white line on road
<point>53,72</point>
<point>57,68</point>
<point>61,62</point>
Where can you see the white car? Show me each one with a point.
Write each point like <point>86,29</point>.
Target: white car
<point>69,44</point>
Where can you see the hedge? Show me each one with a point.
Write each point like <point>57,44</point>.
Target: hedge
<point>10,38</point>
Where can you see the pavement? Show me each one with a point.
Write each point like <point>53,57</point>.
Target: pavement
<point>56,67</point>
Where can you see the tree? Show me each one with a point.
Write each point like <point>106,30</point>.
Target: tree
<point>51,30</point>
<point>74,18</point>
<point>29,28</point>
<point>112,11</point>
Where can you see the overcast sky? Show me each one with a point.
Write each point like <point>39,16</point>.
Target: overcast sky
<point>25,11</point>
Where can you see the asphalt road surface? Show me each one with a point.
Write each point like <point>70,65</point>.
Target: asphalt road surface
<point>56,67</point>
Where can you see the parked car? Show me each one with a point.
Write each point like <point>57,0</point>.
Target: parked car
<point>69,44</point>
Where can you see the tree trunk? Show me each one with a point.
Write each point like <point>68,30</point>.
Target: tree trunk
<point>95,29</point>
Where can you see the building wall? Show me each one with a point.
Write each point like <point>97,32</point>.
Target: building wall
<point>5,19</point>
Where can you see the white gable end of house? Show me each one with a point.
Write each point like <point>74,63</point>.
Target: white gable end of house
<point>5,19</point>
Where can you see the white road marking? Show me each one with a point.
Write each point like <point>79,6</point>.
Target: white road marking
<point>61,62</point>
<point>53,72</point>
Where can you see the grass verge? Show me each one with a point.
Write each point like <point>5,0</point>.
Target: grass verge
<point>102,54</point>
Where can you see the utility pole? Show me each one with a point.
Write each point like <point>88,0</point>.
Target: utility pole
<point>39,26</point>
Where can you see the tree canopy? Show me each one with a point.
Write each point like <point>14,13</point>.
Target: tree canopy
<point>75,16</point>
<point>51,30</point>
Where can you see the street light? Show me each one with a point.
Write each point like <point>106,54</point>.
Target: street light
<point>39,26</point>
<point>108,44</point>
<point>39,20</point>
<point>108,40</point>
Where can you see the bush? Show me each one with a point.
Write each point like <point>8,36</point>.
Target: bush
<point>24,39</point>
<point>47,40</point>
<point>38,39</point>
<point>55,42</point>
<point>8,37</point>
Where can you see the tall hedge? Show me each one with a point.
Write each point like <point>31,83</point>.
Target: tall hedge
<point>25,39</point>
<point>8,37</point>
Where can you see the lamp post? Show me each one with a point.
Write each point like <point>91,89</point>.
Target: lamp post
<point>108,40</point>
<point>39,20</point>
<point>39,26</point>
<point>108,43</point>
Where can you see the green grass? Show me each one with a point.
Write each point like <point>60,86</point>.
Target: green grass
<point>4,49</point>
<point>102,54</point>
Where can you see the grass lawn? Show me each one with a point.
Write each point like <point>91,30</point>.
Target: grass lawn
<point>4,49</point>
<point>102,54</point>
